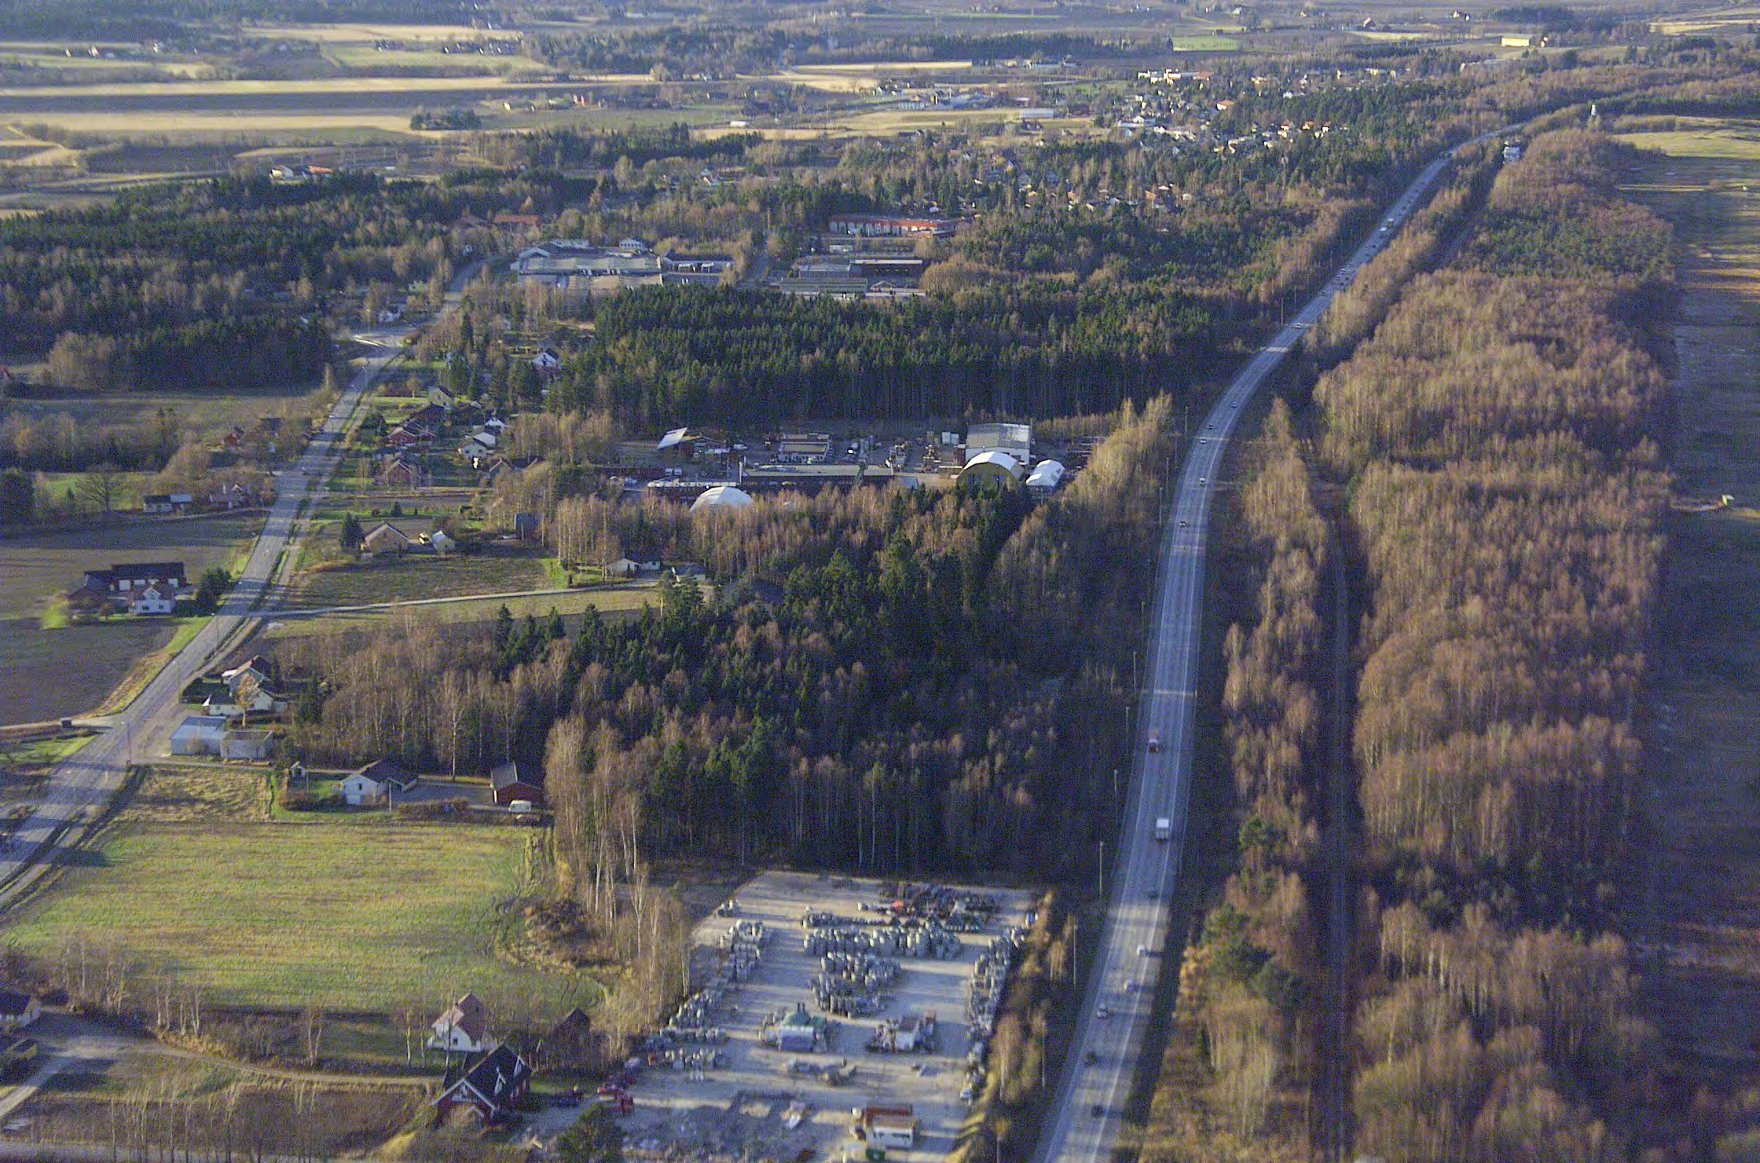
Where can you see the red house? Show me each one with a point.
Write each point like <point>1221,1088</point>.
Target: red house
<point>491,1087</point>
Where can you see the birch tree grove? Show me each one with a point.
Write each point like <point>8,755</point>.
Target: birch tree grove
<point>1508,504</point>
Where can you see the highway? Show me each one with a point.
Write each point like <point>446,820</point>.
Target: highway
<point>81,786</point>
<point>1088,1108</point>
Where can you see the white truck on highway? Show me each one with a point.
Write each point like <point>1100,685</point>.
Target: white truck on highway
<point>1163,829</point>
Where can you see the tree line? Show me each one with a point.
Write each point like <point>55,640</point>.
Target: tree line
<point>1506,502</point>
<point>1235,1072</point>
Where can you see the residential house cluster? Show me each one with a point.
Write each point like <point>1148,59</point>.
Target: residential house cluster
<point>490,1076</point>
<point>237,711</point>
<point>402,454</point>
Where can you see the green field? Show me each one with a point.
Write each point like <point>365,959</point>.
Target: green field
<point>391,578</point>
<point>348,915</point>
<point>613,602</point>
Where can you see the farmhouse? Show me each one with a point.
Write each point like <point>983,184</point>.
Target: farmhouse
<point>401,472</point>
<point>491,1087</point>
<point>256,668</point>
<point>376,781</point>
<point>127,580</point>
<point>516,781</point>
<point>18,1010</point>
<point>462,1028</point>
<point>153,600</point>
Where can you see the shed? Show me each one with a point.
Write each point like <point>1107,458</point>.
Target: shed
<point>18,1010</point>
<point>516,781</point>
<point>198,735</point>
<point>1045,477</point>
<point>571,1041</point>
<point>251,744</point>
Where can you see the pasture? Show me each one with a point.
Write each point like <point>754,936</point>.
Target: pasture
<point>357,915</point>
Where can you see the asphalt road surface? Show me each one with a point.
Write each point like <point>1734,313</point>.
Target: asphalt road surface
<point>81,786</point>
<point>1089,1104</point>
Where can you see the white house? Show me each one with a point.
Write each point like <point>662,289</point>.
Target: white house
<point>153,600</point>
<point>463,1028</point>
<point>198,735</point>
<point>439,542</point>
<point>372,783</point>
<point>18,1010</point>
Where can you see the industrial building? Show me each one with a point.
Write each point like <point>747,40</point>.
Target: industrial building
<point>1014,439</point>
<point>885,225</point>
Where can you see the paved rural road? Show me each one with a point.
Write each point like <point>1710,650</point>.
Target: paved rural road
<point>1088,1110</point>
<point>81,786</point>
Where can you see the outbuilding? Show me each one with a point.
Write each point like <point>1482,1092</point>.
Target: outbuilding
<point>242,744</point>
<point>18,1010</point>
<point>1045,477</point>
<point>198,735</point>
<point>516,781</point>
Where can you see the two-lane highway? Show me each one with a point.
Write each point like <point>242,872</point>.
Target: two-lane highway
<point>1086,1115</point>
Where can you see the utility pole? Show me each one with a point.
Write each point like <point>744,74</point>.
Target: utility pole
<point>1103,871</point>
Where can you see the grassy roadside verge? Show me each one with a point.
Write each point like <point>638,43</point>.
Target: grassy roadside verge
<point>142,672</point>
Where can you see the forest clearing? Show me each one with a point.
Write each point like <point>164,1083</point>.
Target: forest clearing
<point>1699,891</point>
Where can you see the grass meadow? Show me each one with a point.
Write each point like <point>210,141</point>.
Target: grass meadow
<point>353,915</point>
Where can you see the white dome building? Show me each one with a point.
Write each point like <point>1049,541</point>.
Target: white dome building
<point>992,465</point>
<point>722,496</point>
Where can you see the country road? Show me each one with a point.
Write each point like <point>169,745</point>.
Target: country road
<point>80,787</point>
<point>1088,1109</point>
